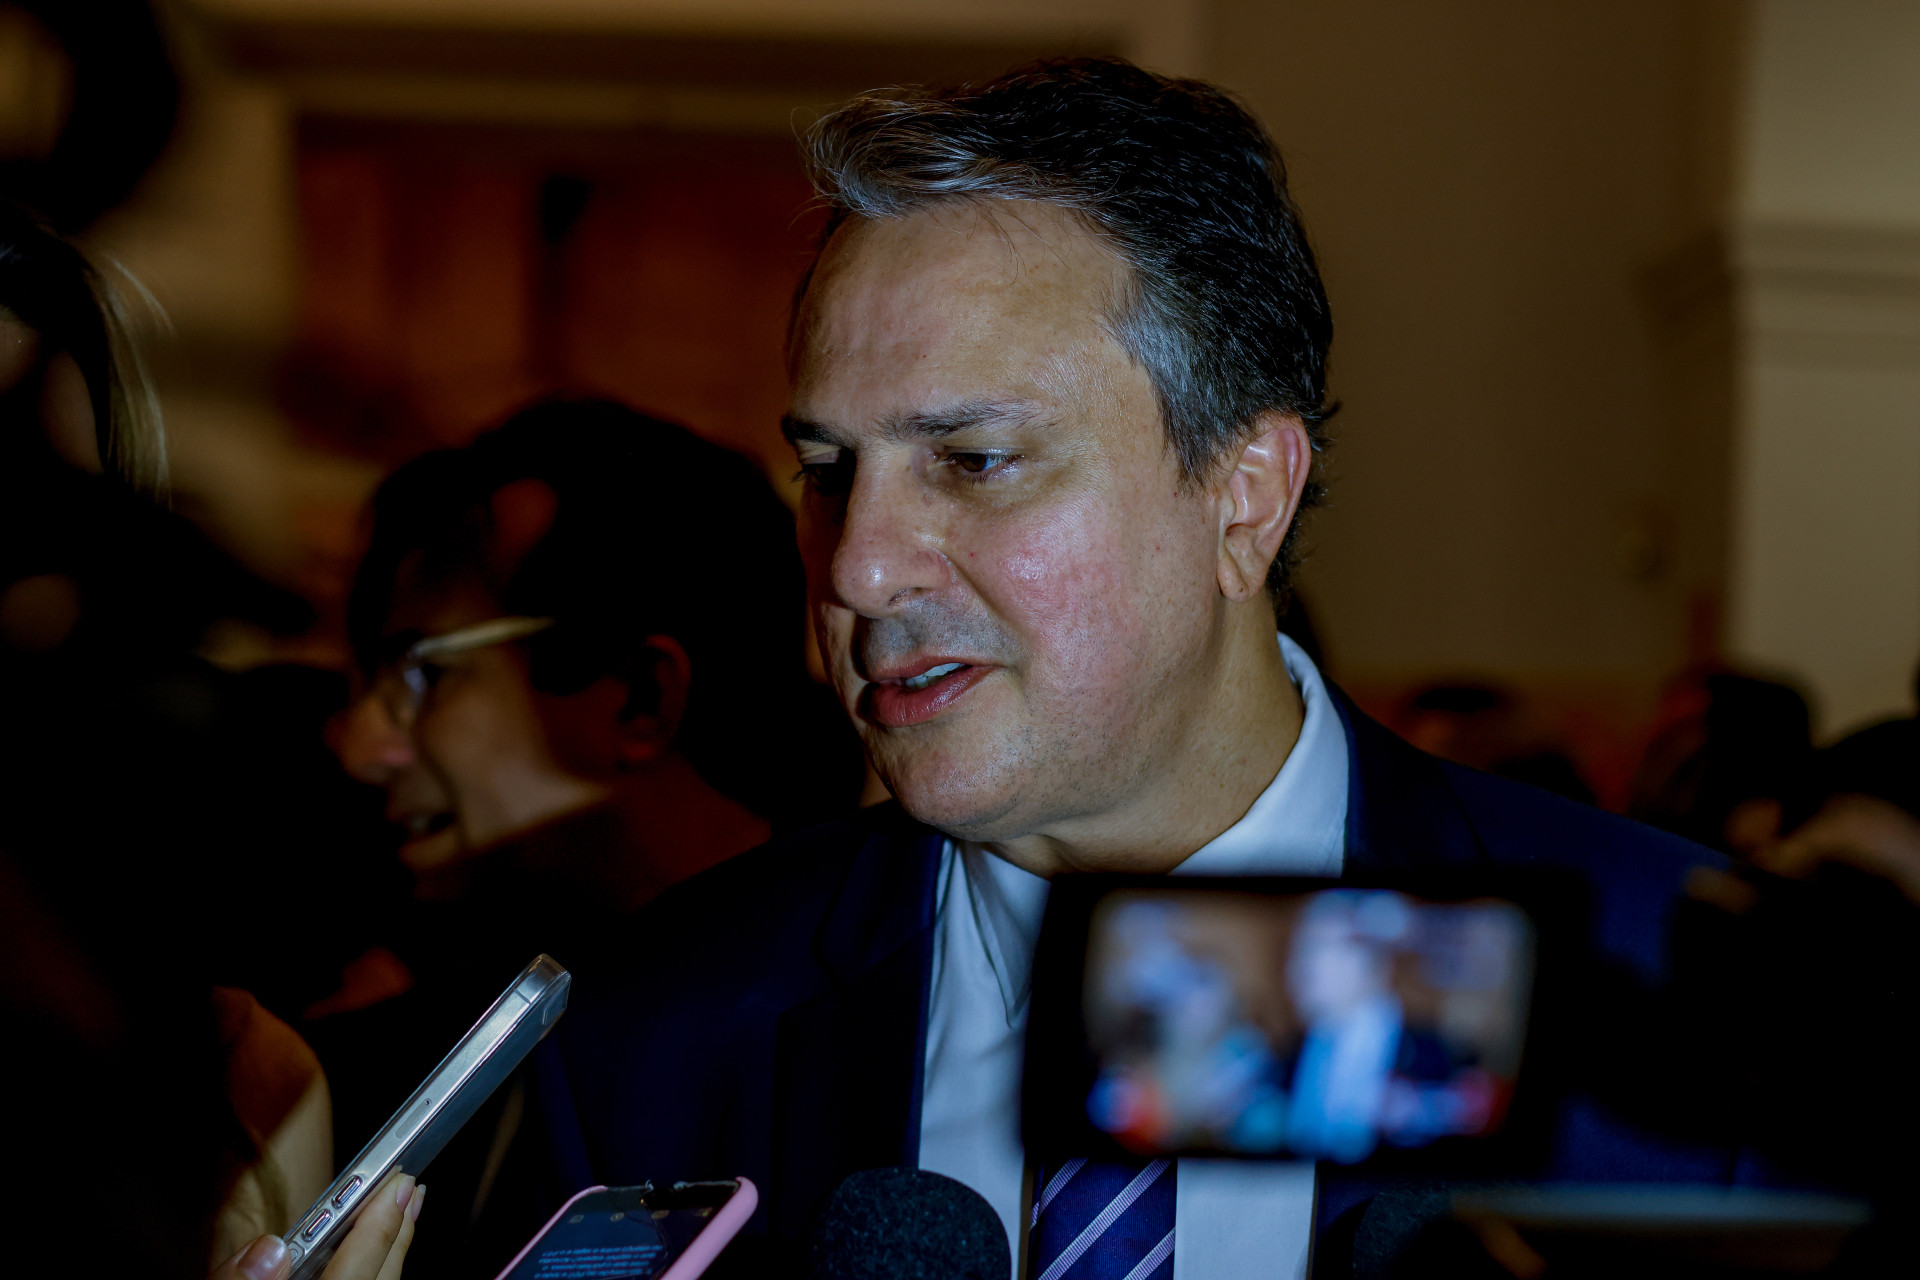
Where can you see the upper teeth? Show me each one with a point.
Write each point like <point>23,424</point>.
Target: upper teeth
<point>928,676</point>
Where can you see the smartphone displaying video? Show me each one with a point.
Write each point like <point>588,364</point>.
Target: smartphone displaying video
<point>637,1233</point>
<point>1282,1019</point>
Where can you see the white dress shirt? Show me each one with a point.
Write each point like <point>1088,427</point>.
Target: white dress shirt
<point>1231,1218</point>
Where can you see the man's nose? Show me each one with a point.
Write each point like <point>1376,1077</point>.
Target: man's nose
<point>888,551</point>
<point>372,747</point>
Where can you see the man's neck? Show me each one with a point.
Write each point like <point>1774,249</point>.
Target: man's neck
<point>677,825</point>
<point>1228,750</point>
<point>656,827</point>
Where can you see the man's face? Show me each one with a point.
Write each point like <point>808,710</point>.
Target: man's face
<point>1013,592</point>
<point>478,763</point>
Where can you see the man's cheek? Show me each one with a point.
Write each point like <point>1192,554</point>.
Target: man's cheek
<point>833,631</point>
<point>1075,609</point>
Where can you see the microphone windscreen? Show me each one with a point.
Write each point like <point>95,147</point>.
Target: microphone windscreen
<point>909,1224</point>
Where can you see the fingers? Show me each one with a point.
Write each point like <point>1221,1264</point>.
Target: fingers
<point>390,1269</point>
<point>264,1259</point>
<point>363,1254</point>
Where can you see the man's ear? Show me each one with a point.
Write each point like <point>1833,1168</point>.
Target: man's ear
<point>647,733</point>
<point>1256,496</point>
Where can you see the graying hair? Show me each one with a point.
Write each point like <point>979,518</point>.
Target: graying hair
<point>1221,305</point>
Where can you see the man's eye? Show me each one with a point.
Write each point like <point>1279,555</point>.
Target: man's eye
<point>976,464</point>
<point>830,475</point>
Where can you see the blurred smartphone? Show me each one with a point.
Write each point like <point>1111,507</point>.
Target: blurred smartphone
<point>1280,1018</point>
<point>637,1233</point>
<point>446,1100</point>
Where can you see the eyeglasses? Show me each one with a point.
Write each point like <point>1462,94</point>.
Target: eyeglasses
<point>403,685</point>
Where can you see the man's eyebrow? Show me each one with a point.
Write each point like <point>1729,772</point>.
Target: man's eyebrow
<point>799,429</point>
<point>931,424</point>
<point>925,424</point>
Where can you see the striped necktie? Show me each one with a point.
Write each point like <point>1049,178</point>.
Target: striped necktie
<point>1099,1221</point>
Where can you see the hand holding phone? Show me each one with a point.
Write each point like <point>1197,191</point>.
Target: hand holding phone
<point>427,1121</point>
<point>373,1249</point>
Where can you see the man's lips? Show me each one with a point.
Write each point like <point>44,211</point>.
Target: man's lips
<point>422,825</point>
<point>891,702</point>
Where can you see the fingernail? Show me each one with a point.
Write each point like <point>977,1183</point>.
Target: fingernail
<point>404,1191</point>
<point>413,1205</point>
<point>263,1258</point>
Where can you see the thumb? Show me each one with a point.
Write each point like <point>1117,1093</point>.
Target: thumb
<point>264,1259</point>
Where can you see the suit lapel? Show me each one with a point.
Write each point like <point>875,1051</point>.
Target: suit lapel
<point>848,1063</point>
<point>1402,813</point>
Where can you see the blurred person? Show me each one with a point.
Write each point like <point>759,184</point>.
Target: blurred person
<point>583,679</point>
<point>1059,386</point>
<point>1791,1021</point>
<point>95,103</point>
<point>121,809</point>
<point>1480,726</point>
<point>130,1067</point>
<point>1729,749</point>
<point>121,727</point>
<point>557,674</point>
<point>1341,979</point>
<point>1856,805</point>
<point>128,1135</point>
<point>1197,1069</point>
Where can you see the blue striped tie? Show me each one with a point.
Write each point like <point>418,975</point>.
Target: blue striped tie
<point>1097,1221</point>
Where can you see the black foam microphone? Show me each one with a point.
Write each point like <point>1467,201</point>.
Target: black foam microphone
<point>909,1224</point>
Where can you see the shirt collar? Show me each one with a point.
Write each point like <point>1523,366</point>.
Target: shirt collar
<point>1297,826</point>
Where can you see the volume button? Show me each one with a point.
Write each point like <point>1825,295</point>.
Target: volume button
<point>346,1191</point>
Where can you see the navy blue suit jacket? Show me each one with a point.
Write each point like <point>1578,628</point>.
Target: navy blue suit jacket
<point>772,1022</point>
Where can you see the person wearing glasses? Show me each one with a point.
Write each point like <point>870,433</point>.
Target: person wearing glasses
<point>582,678</point>
<point>577,670</point>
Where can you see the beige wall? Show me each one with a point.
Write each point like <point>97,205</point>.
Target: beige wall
<point>1825,579</point>
<point>1488,184</point>
<point>1830,123</point>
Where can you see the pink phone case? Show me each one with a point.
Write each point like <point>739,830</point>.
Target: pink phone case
<point>699,1255</point>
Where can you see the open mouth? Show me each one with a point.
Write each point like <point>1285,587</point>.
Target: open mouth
<point>431,841</point>
<point>421,825</point>
<point>903,700</point>
<point>931,676</point>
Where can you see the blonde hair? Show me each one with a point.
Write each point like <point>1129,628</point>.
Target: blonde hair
<point>134,444</point>
<point>49,284</point>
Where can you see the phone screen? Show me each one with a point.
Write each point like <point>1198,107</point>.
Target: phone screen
<point>622,1233</point>
<point>1331,1025</point>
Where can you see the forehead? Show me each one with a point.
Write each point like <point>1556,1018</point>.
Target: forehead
<point>994,298</point>
<point>430,601</point>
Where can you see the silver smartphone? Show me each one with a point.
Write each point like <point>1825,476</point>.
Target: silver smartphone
<point>427,1121</point>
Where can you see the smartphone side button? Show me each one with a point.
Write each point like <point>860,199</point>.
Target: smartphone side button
<point>320,1220</point>
<point>351,1187</point>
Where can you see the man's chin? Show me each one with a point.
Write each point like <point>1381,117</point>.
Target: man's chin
<point>964,805</point>
<point>426,854</point>
<point>439,863</point>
